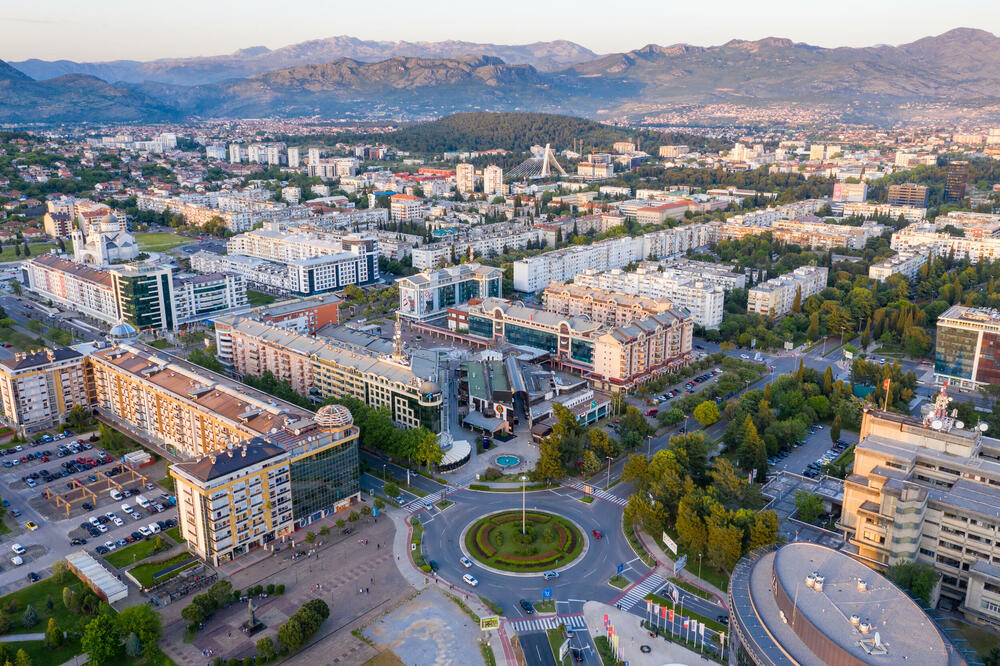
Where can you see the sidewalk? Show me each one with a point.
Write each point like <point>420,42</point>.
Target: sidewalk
<point>631,637</point>
<point>498,640</point>
<point>666,563</point>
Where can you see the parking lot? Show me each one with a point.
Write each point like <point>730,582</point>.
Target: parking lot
<point>83,479</point>
<point>817,445</point>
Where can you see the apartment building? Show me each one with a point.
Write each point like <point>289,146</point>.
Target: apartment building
<point>534,273</point>
<point>928,490</point>
<point>199,296</point>
<point>908,194</point>
<point>722,275</point>
<point>612,358</point>
<point>232,502</point>
<point>916,236</point>
<point>405,208</point>
<point>595,170</point>
<point>260,273</point>
<point>476,244</point>
<point>302,315</point>
<point>429,294</point>
<point>493,181</point>
<point>320,368</point>
<point>967,347</point>
<point>776,296</point>
<point>702,299</point>
<point>673,151</point>
<point>83,288</point>
<point>605,307</point>
<point>905,263</point>
<point>850,192</point>
<point>465,178</point>
<point>869,209</point>
<point>38,389</point>
<point>809,231</point>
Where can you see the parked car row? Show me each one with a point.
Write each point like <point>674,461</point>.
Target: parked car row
<point>814,469</point>
<point>141,533</point>
<point>81,464</point>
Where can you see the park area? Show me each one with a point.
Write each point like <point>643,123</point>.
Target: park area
<point>154,573</point>
<point>545,542</point>
<point>160,242</point>
<point>11,253</point>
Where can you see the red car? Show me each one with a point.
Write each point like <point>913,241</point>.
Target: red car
<point>652,412</point>
<point>597,534</point>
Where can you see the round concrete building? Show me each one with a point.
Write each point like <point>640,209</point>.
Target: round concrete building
<point>808,604</point>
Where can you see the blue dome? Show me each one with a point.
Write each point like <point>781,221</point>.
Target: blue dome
<point>123,329</point>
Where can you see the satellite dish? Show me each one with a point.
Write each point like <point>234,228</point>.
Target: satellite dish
<point>959,424</point>
<point>936,424</point>
<point>983,427</point>
<point>878,640</point>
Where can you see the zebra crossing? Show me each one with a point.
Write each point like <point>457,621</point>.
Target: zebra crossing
<point>648,584</point>
<point>431,499</point>
<point>599,493</point>
<point>524,626</point>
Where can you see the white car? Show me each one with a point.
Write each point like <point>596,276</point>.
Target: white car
<point>118,521</point>
<point>470,579</point>
<point>110,515</point>
<point>94,521</point>
<point>127,508</point>
<point>744,356</point>
<point>144,531</point>
<point>18,549</point>
<point>466,562</point>
<point>110,545</point>
<point>102,528</point>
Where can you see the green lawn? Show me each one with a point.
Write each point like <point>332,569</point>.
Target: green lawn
<point>160,242</point>
<point>3,527</point>
<point>36,595</point>
<point>498,540</point>
<point>556,639</point>
<point>166,482</point>
<point>981,638</point>
<point>41,655</point>
<point>129,555</point>
<point>175,534</point>
<point>619,581</point>
<point>10,254</point>
<point>547,606</point>
<point>144,572</point>
<point>259,297</point>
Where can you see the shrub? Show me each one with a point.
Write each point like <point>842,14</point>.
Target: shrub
<point>340,523</point>
<point>353,516</point>
<point>280,589</point>
<point>269,589</point>
<point>492,473</point>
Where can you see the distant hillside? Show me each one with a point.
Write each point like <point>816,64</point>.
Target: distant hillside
<point>544,56</point>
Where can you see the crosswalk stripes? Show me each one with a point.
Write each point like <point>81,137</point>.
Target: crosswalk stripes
<point>599,493</point>
<point>637,593</point>
<point>545,623</point>
<point>433,498</point>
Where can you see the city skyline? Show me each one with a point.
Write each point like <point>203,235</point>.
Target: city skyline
<point>65,30</point>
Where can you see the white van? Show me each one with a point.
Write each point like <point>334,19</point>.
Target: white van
<point>141,501</point>
<point>154,528</point>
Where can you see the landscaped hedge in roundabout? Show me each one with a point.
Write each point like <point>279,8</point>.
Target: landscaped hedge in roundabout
<point>549,541</point>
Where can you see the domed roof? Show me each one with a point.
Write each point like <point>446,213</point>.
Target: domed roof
<point>333,417</point>
<point>429,387</point>
<point>123,329</point>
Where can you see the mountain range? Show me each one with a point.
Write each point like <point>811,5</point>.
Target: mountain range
<point>962,65</point>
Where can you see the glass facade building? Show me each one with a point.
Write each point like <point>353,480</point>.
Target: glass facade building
<point>323,478</point>
<point>955,352</point>
<point>519,335</point>
<point>967,348</point>
<point>481,327</point>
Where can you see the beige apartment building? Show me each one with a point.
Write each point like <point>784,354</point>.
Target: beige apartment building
<point>776,296</point>
<point>603,306</point>
<point>928,490</point>
<point>38,389</point>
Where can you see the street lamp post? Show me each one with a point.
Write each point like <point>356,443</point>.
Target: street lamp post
<point>699,566</point>
<point>649,445</point>
<point>523,514</point>
<point>608,484</point>
<point>383,472</point>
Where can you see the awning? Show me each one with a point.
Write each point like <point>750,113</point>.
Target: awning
<point>486,423</point>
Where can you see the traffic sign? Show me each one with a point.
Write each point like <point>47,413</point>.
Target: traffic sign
<point>680,564</point>
<point>621,568</point>
<point>487,623</point>
<point>669,543</point>
<point>547,593</point>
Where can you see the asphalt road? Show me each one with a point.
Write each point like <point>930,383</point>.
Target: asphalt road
<point>696,604</point>
<point>537,651</point>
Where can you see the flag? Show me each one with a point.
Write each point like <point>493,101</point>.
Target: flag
<point>885,384</point>
<point>605,618</point>
<point>616,641</point>
<point>649,605</point>
<point>701,629</point>
<point>671,615</point>
<point>656,609</point>
<point>663,612</point>
<point>686,623</point>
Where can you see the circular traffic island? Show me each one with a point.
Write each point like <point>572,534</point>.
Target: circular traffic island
<point>546,542</point>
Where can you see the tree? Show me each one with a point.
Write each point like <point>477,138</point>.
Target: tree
<point>813,331</point>
<point>917,578</point>
<point>290,634</point>
<point>22,658</point>
<point>809,506</point>
<point>4,623</point>
<point>600,443</point>
<point>590,462</point>
<point>70,600</point>
<point>671,417</point>
<point>390,489</point>
<point>101,639</point>
<point>27,250</point>
<point>265,649</point>
<point>636,472</point>
<point>221,592</point>
<point>310,537</point>
<point>29,618</point>
<point>707,413</point>
<point>133,647</point>
<point>797,301</point>
<point>53,634</point>
<point>835,429</point>
<point>194,613</point>
<point>550,464</point>
<point>146,624</point>
<point>78,418</point>
<point>752,454</point>
<point>427,449</point>
<point>765,530</point>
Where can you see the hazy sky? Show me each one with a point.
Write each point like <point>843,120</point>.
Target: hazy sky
<point>141,29</point>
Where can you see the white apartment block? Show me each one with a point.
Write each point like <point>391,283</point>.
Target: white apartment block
<point>260,273</point>
<point>38,389</point>
<point>534,273</point>
<point>83,288</point>
<point>293,157</point>
<point>868,209</point>
<point>493,181</point>
<point>915,237</point>
<point>291,194</point>
<point>199,296</point>
<point>905,263</point>
<point>491,245</point>
<point>776,296</point>
<point>703,300</point>
<point>673,151</point>
<point>465,178</point>
<point>406,208</point>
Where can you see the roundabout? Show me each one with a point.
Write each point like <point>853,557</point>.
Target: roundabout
<point>509,542</point>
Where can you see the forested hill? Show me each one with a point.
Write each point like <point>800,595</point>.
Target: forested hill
<point>519,131</point>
